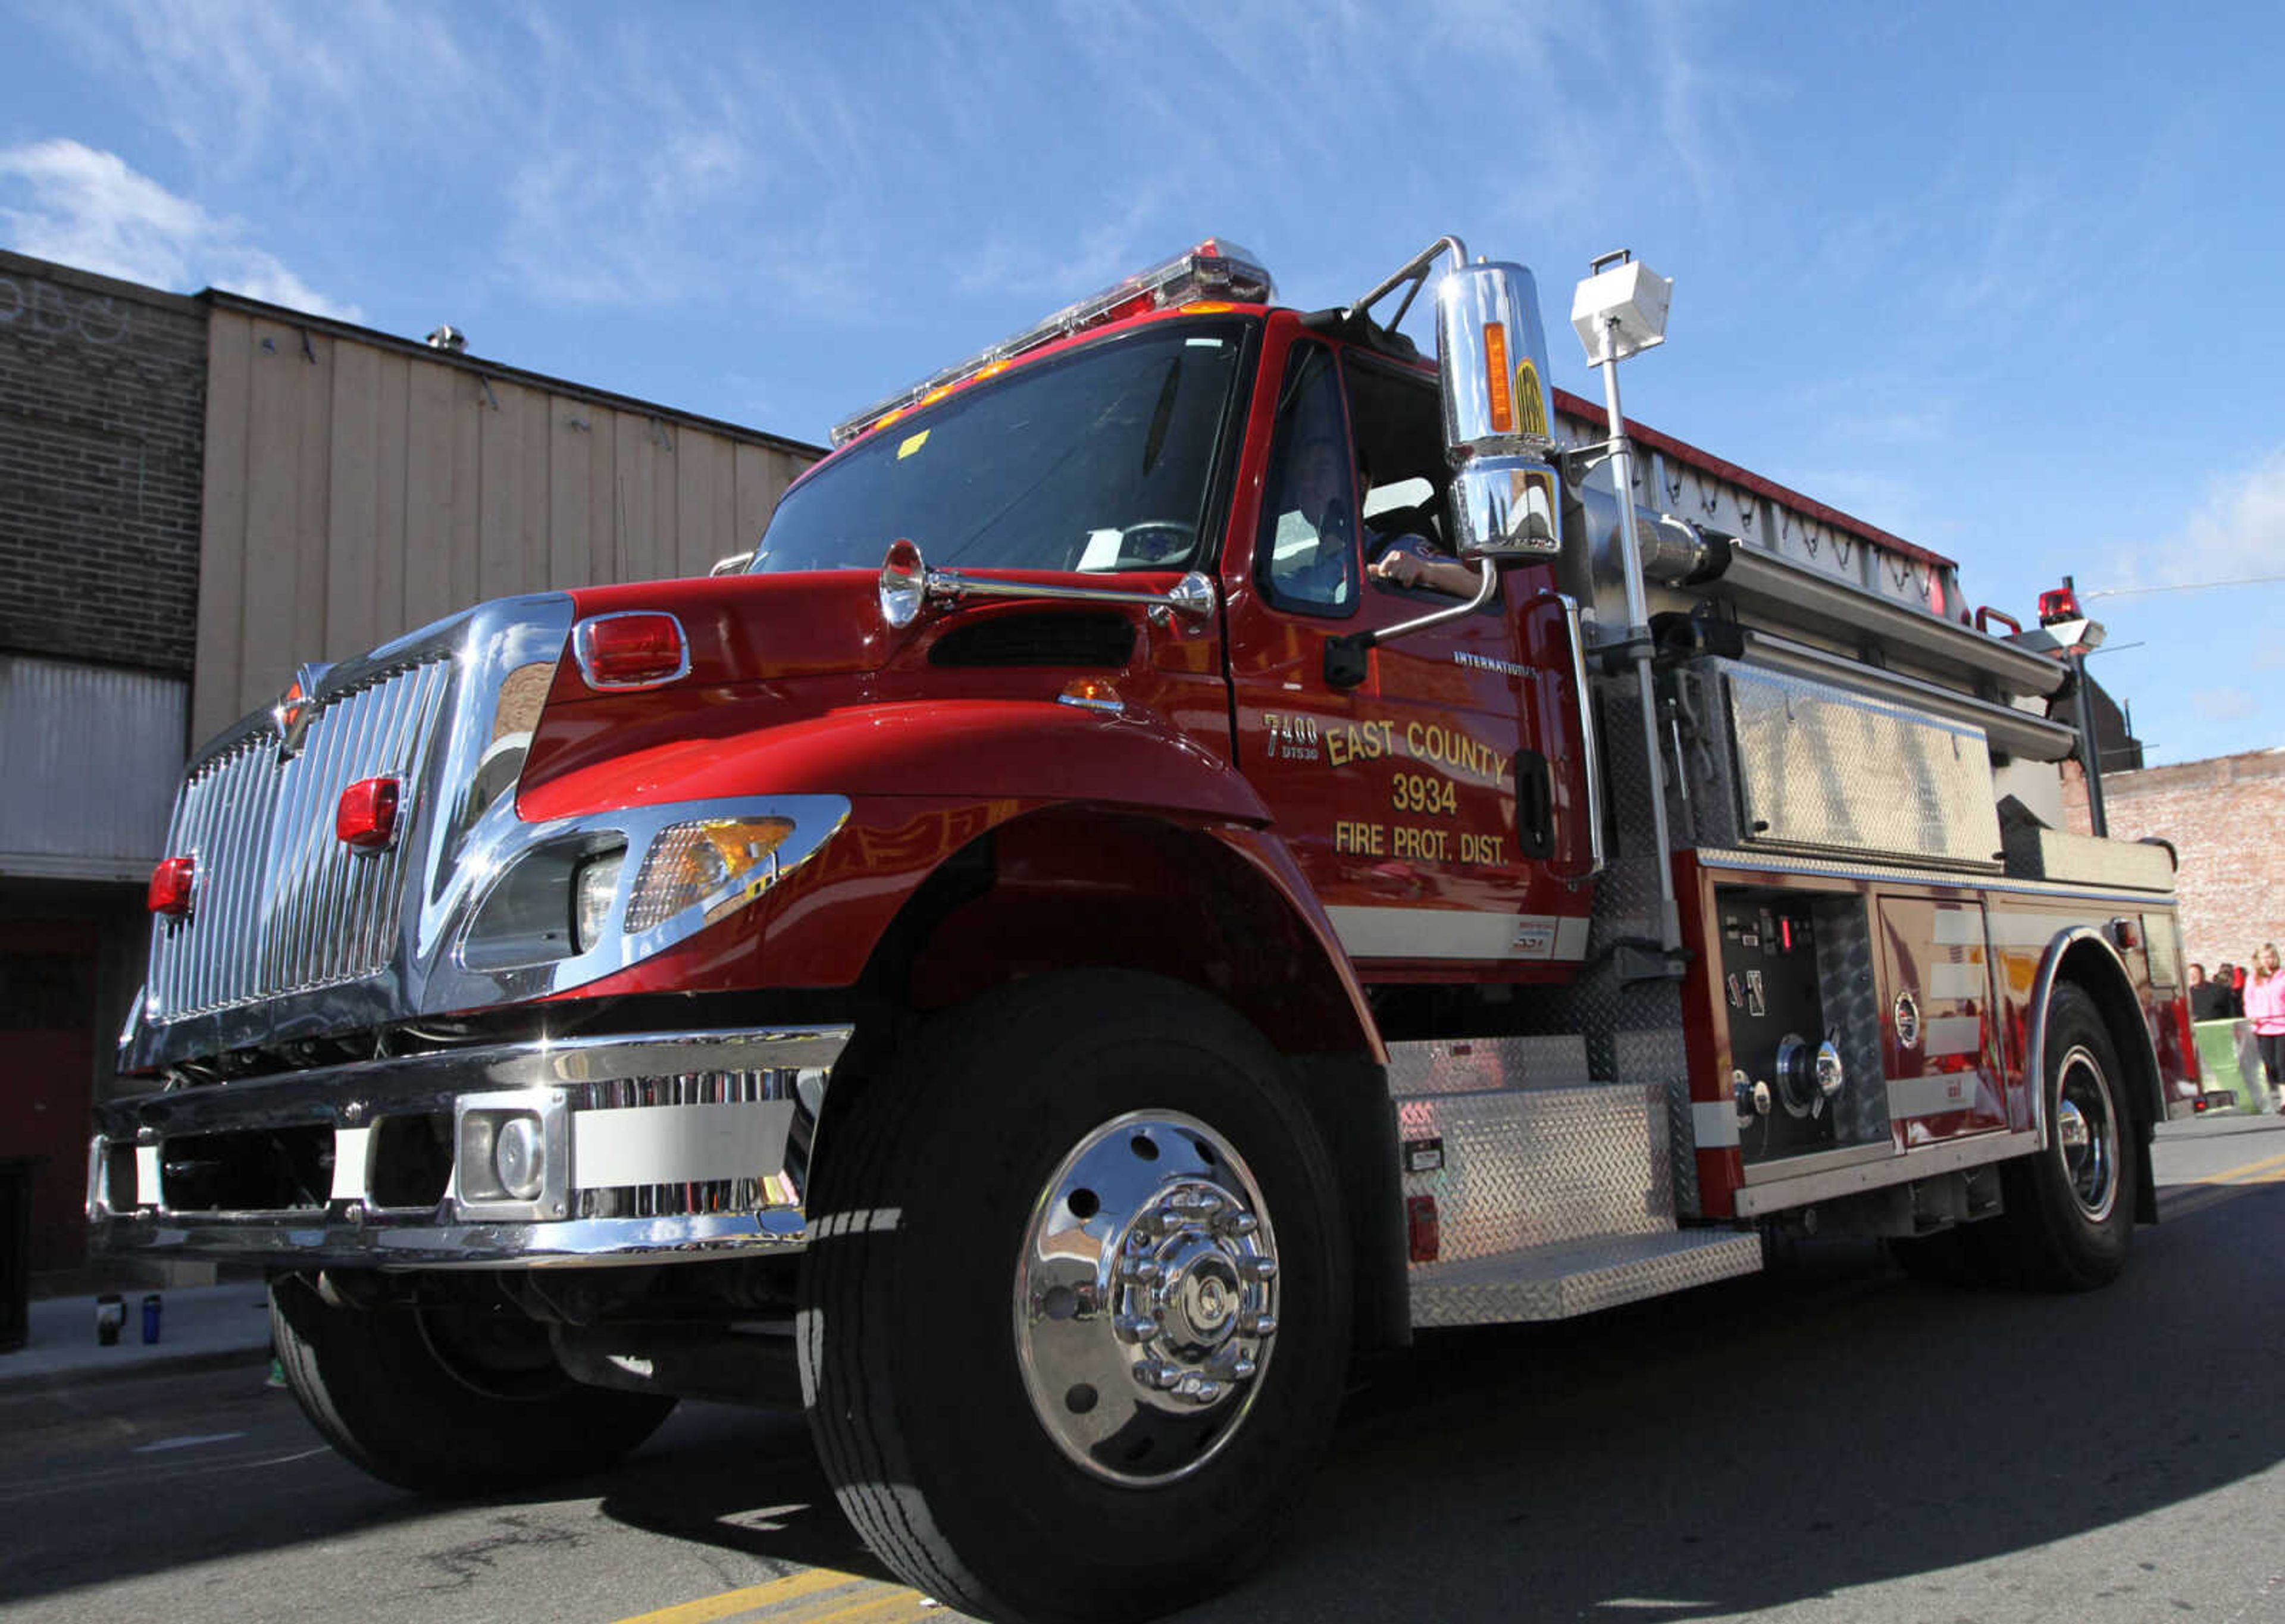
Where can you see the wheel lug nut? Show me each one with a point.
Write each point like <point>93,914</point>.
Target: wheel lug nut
<point>1257,1324</point>
<point>1235,1224</point>
<point>1202,1393</point>
<point>1137,1328</point>
<point>1145,1270</point>
<point>1241,1368</point>
<point>1148,1374</point>
<point>1259,1268</point>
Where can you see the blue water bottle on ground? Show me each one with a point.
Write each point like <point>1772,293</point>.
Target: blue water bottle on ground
<point>150,1317</point>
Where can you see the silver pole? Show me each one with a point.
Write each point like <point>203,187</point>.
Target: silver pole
<point>1639,631</point>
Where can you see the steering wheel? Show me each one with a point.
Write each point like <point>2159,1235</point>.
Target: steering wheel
<point>1166,539</point>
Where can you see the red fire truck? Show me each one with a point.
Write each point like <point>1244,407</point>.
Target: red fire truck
<point>1200,841</point>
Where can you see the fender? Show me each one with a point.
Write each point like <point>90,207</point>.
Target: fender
<point>1273,860</point>
<point>995,749</point>
<point>2085,945</point>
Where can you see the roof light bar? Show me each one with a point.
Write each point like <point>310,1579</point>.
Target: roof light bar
<point>1217,269</point>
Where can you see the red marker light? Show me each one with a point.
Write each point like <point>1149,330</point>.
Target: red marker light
<point>641,649</point>
<point>1424,1229</point>
<point>2057,603</point>
<point>366,816</point>
<point>171,884</point>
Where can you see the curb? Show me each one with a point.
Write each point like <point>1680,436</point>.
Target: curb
<point>142,1370</point>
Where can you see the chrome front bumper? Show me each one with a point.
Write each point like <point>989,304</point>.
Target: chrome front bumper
<point>630,1150</point>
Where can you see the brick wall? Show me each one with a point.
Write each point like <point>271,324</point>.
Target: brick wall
<point>102,419</point>
<point>2224,817</point>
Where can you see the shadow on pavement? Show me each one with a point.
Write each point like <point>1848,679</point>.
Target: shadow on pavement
<point>1827,1426</point>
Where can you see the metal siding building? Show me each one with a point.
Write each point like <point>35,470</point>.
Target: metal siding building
<point>196,495</point>
<point>358,487</point>
<point>92,753</point>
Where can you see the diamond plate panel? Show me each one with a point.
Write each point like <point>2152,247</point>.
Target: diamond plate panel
<point>1824,770</point>
<point>1559,1282</point>
<point>1473,1065</point>
<point>1533,1167</point>
<point>1633,1034</point>
<point>1850,993</point>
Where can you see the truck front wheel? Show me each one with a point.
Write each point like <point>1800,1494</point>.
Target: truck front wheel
<point>447,1400</point>
<point>1074,1323</point>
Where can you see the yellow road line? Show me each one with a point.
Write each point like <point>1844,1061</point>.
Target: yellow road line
<point>2238,1175</point>
<point>778,1595</point>
<point>892,1607</point>
<point>2211,1192</point>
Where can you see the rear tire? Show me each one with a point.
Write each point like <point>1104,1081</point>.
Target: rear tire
<point>1032,1327</point>
<point>2071,1208</point>
<point>448,1401</point>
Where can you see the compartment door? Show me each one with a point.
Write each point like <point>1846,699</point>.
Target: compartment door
<point>1939,1032</point>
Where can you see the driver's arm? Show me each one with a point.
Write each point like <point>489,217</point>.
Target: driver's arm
<point>1404,566</point>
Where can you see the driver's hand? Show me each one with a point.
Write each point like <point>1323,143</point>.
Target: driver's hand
<point>1404,569</point>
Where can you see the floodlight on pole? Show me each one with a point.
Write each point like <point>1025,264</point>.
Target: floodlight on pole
<point>1618,311</point>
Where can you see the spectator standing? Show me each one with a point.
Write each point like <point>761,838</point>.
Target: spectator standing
<point>2229,1006</point>
<point>2206,996</point>
<point>2264,1007</point>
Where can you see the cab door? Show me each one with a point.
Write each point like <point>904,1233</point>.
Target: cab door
<point>1431,804</point>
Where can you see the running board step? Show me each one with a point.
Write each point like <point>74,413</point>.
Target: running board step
<point>1558,1281</point>
<point>1521,1168</point>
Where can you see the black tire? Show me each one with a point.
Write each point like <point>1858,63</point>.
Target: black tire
<point>2071,1208</point>
<point>932,1184</point>
<point>448,1401</point>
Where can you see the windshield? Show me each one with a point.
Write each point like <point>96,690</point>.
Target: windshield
<point>1099,460</point>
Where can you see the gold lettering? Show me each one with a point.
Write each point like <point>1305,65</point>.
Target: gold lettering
<point>1364,839</point>
<point>1449,747</point>
<point>1422,845</point>
<point>1483,848</point>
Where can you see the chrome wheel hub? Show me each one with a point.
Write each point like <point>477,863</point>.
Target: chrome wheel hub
<point>1146,1297</point>
<point>2086,1134</point>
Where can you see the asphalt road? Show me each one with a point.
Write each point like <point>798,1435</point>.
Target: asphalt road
<point>1830,1442</point>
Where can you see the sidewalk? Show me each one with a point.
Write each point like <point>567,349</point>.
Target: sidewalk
<point>199,1327</point>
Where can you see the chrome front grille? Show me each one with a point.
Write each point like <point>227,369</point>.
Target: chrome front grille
<point>281,904</point>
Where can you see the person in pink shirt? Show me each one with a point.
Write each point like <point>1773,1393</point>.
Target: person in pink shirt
<point>2264,1007</point>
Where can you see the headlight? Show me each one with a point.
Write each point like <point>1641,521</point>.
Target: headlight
<point>591,891</point>
<point>721,862</point>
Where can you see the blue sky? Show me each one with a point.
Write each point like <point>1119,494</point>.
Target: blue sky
<point>2000,279</point>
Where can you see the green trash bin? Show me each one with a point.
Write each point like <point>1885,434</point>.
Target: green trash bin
<point>15,1250</point>
<point>2231,1065</point>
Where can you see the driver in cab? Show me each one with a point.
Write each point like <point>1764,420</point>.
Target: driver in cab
<point>1318,567</point>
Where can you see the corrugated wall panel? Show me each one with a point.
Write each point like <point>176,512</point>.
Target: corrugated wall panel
<point>355,492</point>
<point>92,755</point>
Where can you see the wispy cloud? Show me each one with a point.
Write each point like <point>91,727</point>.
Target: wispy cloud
<point>2236,532</point>
<point>240,84</point>
<point>64,201</point>
<point>2225,705</point>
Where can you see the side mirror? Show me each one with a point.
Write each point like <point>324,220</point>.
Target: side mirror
<point>1499,426</point>
<point>731,565</point>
